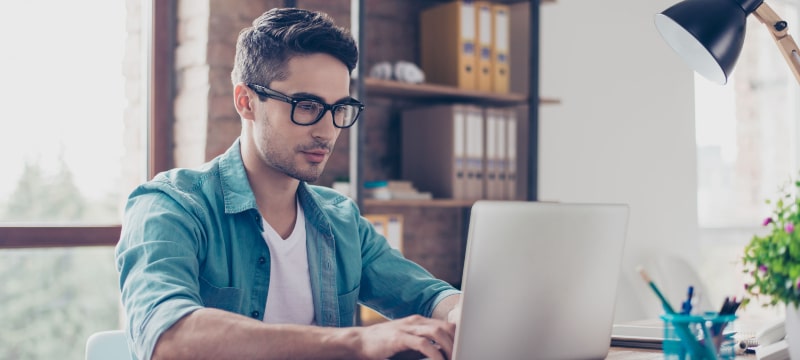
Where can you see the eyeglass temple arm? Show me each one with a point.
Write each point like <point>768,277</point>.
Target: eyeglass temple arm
<point>780,33</point>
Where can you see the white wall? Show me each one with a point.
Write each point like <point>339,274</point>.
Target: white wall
<point>624,132</point>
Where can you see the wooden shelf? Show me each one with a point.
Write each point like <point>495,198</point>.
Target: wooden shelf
<point>445,93</point>
<point>442,203</point>
<point>509,1</point>
<point>517,1</point>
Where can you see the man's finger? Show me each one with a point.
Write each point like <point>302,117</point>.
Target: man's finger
<point>424,346</point>
<point>438,332</point>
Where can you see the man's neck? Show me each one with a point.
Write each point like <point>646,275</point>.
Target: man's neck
<point>277,202</point>
<point>275,192</point>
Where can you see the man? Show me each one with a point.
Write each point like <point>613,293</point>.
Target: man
<point>241,258</point>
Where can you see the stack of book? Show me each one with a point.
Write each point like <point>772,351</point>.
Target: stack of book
<point>395,190</point>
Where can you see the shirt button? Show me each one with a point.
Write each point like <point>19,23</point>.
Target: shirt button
<point>255,314</point>
<point>262,260</point>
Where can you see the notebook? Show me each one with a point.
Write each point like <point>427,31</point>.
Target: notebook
<point>646,334</point>
<point>540,280</point>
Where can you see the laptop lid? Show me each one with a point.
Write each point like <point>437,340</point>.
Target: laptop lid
<point>540,280</point>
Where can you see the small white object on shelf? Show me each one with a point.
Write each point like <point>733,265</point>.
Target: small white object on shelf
<point>342,187</point>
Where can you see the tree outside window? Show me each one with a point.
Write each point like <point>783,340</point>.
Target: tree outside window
<point>71,149</point>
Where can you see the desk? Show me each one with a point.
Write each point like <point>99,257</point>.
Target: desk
<point>622,353</point>
<point>753,318</point>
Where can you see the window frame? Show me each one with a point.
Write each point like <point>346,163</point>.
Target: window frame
<point>159,95</point>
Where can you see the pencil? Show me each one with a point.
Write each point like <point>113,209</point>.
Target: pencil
<point>667,307</point>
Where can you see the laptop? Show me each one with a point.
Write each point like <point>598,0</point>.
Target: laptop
<point>540,280</point>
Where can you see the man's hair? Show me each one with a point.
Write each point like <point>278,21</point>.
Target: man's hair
<point>264,49</point>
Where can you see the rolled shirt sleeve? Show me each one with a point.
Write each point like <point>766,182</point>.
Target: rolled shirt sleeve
<point>157,258</point>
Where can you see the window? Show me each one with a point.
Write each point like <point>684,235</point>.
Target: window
<point>747,130</point>
<point>747,147</point>
<point>52,299</point>
<point>61,141</point>
<point>73,145</point>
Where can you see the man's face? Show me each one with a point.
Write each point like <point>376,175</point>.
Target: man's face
<point>301,152</point>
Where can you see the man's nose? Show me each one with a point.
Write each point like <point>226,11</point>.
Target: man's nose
<point>324,129</point>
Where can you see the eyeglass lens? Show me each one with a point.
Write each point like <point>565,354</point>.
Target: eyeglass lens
<point>307,111</point>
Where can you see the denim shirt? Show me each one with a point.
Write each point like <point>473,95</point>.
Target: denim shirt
<point>191,238</point>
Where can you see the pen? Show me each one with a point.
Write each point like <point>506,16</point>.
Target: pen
<point>729,306</point>
<point>725,305</point>
<point>735,307</point>
<point>686,307</point>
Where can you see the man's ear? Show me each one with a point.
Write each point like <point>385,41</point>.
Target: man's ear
<point>244,101</point>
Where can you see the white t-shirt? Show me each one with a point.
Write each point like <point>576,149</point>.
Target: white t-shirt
<point>289,299</point>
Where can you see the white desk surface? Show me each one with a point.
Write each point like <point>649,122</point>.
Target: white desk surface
<point>621,353</point>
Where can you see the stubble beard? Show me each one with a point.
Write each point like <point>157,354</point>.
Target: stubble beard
<point>278,158</point>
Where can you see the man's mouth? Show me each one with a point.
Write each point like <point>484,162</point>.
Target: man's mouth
<point>315,156</point>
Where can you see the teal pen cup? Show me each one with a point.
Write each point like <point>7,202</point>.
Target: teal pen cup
<point>696,337</point>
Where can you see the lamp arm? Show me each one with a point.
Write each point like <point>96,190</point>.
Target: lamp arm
<point>780,34</point>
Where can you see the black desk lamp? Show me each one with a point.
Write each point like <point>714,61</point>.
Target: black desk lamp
<point>708,34</point>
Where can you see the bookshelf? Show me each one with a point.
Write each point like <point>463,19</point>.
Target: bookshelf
<point>434,203</point>
<point>435,230</point>
<point>366,88</point>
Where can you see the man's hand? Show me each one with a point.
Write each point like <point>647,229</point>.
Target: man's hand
<point>448,309</point>
<point>431,337</point>
<point>454,316</point>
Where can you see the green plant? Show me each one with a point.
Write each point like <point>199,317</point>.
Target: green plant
<point>773,260</point>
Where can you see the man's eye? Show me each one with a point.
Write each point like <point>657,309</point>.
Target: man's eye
<point>308,106</point>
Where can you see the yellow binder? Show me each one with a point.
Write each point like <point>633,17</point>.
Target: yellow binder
<point>447,44</point>
<point>483,20</point>
<point>501,27</point>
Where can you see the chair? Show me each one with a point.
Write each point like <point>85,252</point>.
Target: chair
<point>108,345</point>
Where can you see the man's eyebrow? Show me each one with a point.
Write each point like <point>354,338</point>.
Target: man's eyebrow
<point>304,95</point>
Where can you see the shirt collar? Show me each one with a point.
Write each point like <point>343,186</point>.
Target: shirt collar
<point>236,192</point>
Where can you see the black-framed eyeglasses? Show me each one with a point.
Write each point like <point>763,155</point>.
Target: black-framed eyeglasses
<point>308,111</point>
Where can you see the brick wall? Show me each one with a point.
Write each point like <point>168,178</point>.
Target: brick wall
<point>205,120</point>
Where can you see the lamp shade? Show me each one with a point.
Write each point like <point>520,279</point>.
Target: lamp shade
<point>707,34</point>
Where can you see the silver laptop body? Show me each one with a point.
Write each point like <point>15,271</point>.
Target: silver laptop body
<point>540,280</point>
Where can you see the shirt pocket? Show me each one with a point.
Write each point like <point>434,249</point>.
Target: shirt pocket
<point>224,298</point>
<point>347,307</point>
